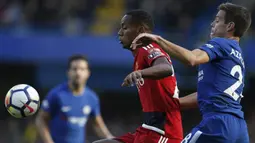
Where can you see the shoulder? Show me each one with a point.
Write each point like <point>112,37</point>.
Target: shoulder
<point>53,96</point>
<point>214,42</point>
<point>57,89</point>
<point>219,44</point>
<point>91,94</point>
<point>151,50</point>
<point>222,42</point>
<point>149,47</point>
<point>218,39</point>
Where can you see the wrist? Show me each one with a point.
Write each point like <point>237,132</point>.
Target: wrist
<point>109,136</point>
<point>158,39</point>
<point>142,73</point>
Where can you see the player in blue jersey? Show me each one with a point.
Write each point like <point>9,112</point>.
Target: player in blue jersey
<point>220,77</point>
<point>67,107</point>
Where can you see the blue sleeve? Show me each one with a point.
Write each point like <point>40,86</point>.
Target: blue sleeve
<point>213,49</point>
<point>50,103</point>
<point>96,105</point>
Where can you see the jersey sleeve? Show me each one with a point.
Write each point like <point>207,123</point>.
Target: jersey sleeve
<point>213,49</point>
<point>150,53</point>
<point>50,103</point>
<point>96,105</point>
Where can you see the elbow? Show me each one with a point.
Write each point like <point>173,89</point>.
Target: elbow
<point>38,121</point>
<point>168,71</point>
<point>192,62</point>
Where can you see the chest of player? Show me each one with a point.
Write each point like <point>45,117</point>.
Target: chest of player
<point>74,106</point>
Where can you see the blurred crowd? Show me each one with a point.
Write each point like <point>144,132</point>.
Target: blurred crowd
<point>78,17</point>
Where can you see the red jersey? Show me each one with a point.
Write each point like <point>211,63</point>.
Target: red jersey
<point>159,98</point>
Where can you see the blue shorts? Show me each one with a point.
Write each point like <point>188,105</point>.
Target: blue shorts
<point>219,128</point>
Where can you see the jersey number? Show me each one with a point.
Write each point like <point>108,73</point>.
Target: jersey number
<point>231,90</point>
<point>186,139</point>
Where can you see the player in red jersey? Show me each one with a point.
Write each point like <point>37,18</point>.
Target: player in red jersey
<point>156,83</point>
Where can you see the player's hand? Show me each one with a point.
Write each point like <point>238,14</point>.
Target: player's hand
<point>110,137</point>
<point>133,78</point>
<point>49,142</point>
<point>136,41</point>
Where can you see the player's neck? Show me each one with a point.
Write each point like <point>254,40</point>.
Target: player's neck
<point>76,90</point>
<point>134,52</point>
<point>234,38</point>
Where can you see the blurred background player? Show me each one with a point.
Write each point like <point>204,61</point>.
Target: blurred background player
<point>220,77</point>
<point>67,107</point>
<point>154,78</point>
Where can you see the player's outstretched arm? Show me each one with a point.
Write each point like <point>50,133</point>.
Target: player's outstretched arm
<point>188,57</point>
<point>99,124</point>
<point>42,121</point>
<point>189,101</point>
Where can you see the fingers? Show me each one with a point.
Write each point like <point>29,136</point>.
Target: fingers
<point>136,40</point>
<point>138,37</point>
<point>135,45</point>
<point>128,81</point>
<point>132,79</point>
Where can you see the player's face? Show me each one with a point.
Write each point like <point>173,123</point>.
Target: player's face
<point>78,72</point>
<point>219,28</point>
<point>127,32</point>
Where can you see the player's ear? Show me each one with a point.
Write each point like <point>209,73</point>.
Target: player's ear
<point>89,72</point>
<point>231,26</point>
<point>67,73</point>
<point>141,29</point>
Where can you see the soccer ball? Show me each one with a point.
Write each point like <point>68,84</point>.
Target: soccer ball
<point>22,100</point>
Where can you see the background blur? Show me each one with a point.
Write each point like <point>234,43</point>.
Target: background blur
<point>38,36</point>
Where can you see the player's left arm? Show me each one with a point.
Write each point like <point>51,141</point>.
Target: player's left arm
<point>101,128</point>
<point>99,124</point>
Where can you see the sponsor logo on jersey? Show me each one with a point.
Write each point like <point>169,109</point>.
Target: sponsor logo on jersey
<point>80,121</point>
<point>86,110</point>
<point>209,45</point>
<point>153,53</point>
<point>65,108</point>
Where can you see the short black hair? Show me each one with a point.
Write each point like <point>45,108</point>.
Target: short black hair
<point>237,14</point>
<point>141,17</point>
<point>75,58</point>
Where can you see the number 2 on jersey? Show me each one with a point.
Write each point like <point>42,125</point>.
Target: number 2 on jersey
<point>231,90</point>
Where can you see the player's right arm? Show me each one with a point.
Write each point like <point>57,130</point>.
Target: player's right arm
<point>192,58</point>
<point>44,116</point>
<point>189,101</point>
<point>42,122</point>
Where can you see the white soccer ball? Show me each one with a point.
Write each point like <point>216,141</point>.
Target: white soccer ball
<point>22,100</point>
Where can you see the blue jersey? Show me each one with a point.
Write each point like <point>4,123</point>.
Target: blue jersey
<point>221,81</point>
<point>70,113</point>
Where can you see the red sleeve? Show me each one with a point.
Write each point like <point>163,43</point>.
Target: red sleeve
<point>151,52</point>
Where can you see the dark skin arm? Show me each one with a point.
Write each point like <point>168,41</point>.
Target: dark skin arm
<point>160,68</point>
<point>189,101</point>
